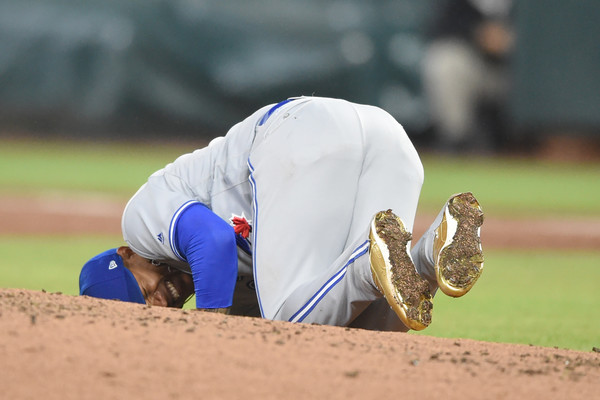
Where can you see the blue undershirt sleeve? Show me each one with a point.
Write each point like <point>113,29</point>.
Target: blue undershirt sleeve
<point>208,245</point>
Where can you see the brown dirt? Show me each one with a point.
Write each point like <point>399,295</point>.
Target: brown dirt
<point>60,214</point>
<point>54,346</point>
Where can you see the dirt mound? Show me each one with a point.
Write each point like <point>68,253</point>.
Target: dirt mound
<point>54,346</point>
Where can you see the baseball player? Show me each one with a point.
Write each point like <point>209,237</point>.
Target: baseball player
<point>302,212</point>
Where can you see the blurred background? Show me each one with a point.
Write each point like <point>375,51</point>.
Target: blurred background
<point>192,68</point>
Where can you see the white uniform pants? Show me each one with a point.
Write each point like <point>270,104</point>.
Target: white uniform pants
<point>320,169</point>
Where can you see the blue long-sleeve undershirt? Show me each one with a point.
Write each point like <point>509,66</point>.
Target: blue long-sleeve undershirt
<point>208,244</point>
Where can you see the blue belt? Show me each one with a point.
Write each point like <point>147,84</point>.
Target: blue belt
<point>271,111</point>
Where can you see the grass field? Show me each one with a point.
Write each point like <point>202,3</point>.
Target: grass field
<point>504,186</point>
<point>547,298</point>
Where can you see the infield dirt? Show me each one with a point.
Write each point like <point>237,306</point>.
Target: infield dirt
<point>90,214</point>
<point>55,346</point>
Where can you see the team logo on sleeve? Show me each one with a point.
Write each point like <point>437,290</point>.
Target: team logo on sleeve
<point>241,225</point>
<point>161,238</point>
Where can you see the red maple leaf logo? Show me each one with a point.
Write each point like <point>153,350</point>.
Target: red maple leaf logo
<point>241,226</point>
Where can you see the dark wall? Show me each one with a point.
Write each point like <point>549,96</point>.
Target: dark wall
<point>557,66</point>
<point>190,67</point>
<point>178,67</point>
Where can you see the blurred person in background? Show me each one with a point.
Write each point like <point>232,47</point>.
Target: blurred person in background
<point>465,73</point>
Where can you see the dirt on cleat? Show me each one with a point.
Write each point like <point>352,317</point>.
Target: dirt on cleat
<point>463,259</point>
<point>414,290</point>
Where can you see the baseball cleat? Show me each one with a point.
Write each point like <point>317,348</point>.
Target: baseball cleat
<point>394,272</point>
<point>457,252</point>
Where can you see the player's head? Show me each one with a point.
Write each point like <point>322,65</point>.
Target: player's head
<point>122,274</point>
<point>105,276</point>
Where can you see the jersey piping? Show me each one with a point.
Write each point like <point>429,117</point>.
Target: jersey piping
<point>307,308</point>
<point>255,208</point>
<point>172,227</point>
<point>266,116</point>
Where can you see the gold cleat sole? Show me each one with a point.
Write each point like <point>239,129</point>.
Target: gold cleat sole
<point>394,272</point>
<point>458,255</point>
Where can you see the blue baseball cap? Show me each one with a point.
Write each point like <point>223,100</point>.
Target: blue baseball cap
<point>104,276</point>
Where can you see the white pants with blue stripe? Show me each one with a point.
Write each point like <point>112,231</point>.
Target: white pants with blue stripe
<point>320,170</point>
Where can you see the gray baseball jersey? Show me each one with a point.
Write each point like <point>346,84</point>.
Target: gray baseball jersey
<point>307,175</point>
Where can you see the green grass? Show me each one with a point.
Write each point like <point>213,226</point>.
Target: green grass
<point>50,263</point>
<point>113,169</point>
<point>514,186</point>
<point>503,186</point>
<point>545,298</point>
